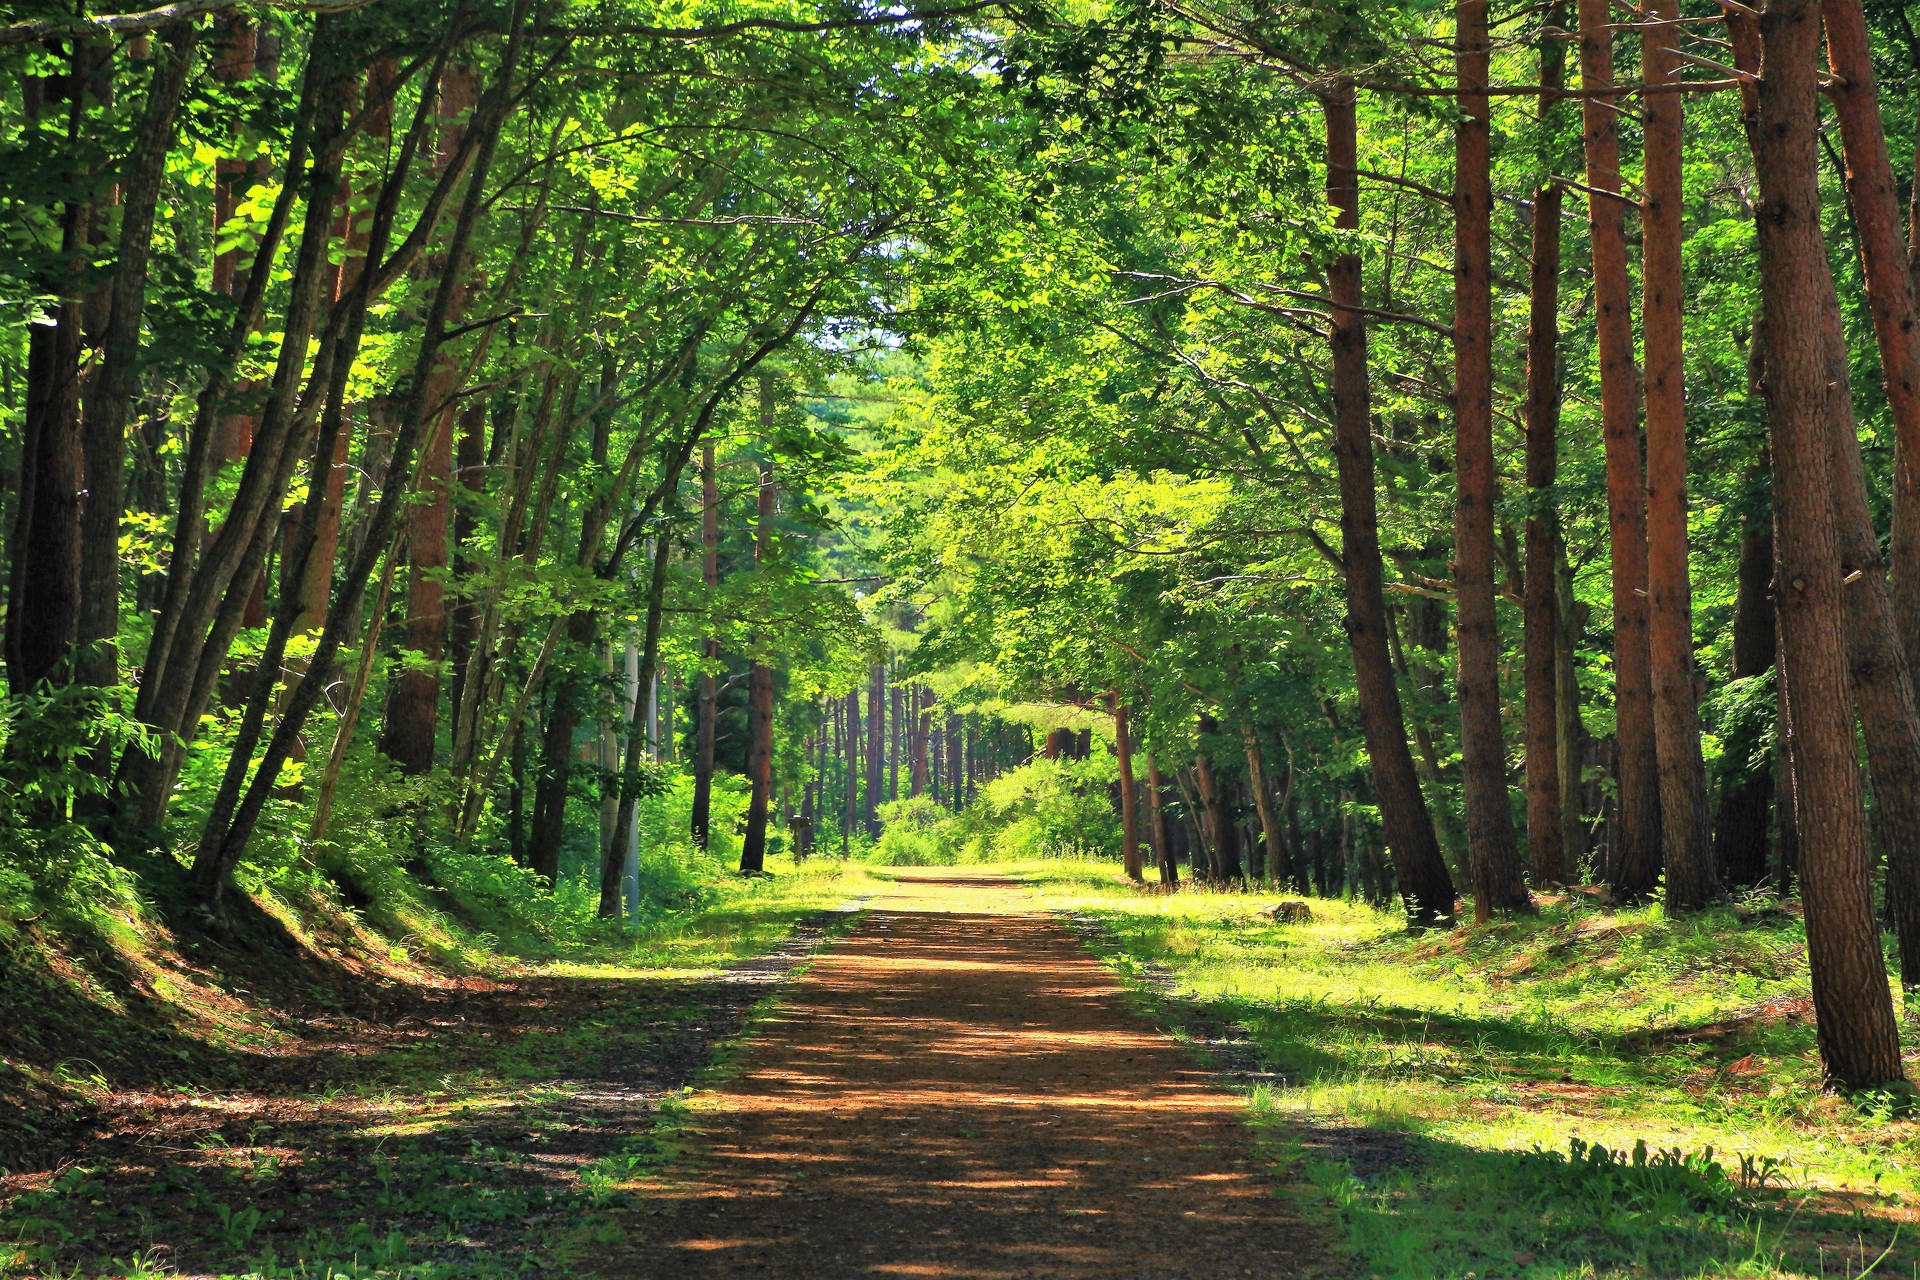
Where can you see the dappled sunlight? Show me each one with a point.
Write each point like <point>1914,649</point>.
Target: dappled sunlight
<point>956,1092</point>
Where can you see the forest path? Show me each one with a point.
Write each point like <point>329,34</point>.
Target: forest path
<point>957,1089</point>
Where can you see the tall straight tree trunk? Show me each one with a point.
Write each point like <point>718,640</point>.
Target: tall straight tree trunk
<point>413,698</point>
<point>753,850</point>
<point>1226,852</point>
<point>1634,859</point>
<point>709,649</point>
<point>1746,801</point>
<point>956,789</point>
<point>1129,800</point>
<point>1882,687</point>
<point>1421,869</point>
<point>922,729</point>
<point>850,817</point>
<point>1493,853</point>
<point>896,739</point>
<point>1875,198</point>
<point>1163,853</point>
<point>1687,841</point>
<point>1546,832</point>
<point>1570,731</point>
<point>876,745</point>
<point>1859,1040</point>
<point>43,597</point>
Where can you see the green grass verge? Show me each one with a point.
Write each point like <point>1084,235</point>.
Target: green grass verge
<point>1589,1093</point>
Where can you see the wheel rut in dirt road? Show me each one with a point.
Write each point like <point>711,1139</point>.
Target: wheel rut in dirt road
<point>956,1089</point>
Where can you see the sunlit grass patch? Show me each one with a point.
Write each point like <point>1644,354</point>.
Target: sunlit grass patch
<point>1488,1046</point>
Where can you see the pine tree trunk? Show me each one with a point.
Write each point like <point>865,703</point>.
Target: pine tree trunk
<point>1546,831</point>
<point>709,696</point>
<point>1687,842</point>
<point>1634,854</point>
<point>1859,1040</point>
<point>1746,801</point>
<point>1129,800</point>
<point>876,746</point>
<point>1875,199</point>
<point>1492,850</point>
<point>1424,880</point>
<point>753,850</point>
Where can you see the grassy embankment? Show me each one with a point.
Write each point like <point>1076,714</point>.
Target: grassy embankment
<point>320,1094</point>
<point>1436,1086</point>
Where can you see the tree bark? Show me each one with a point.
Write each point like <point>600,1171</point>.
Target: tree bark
<point>112,387</point>
<point>1746,800</point>
<point>1635,854</point>
<point>1685,833</point>
<point>1129,800</point>
<point>1875,199</point>
<point>1859,1040</point>
<point>1425,884</point>
<point>876,745</point>
<point>1276,859</point>
<point>702,811</point>
<point>1163,853</point>
<point>1546,832</point>
<point>1493,852</point>
<point>753,850</point>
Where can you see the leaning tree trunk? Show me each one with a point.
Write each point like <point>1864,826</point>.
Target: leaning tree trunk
<point>1421,869</point>
<point>1634,858</point>
<point>1493,852</point>
<point>1859,1039</point>
<point>1685,835</point>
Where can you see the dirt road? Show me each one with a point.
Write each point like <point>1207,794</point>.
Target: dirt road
<point>956,1089</point>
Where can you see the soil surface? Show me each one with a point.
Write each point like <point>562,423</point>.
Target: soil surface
<point>957,1089</point>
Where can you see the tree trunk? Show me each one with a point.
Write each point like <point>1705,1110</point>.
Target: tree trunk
<point>1546,831</point>
<point>112,386</point>
<point>1493,853</point>
<point>1859,1040</point>
<point>1686,837</point>
<point>1129,800</point>
<point>876,745</point>
<point>1634,858</point>
<point>702,810</point>
<point>753,850</point>
<point>1746,800</point>
<point>1425,883</point>
<point>1875,199</point>
<point>850,817</point>
<point>1163,851</point>
<point>1226,858</point>
<point>1276,859</point>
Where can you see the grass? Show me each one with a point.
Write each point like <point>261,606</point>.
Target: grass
<point>446,1125</point>
<point>1588,1093</point>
